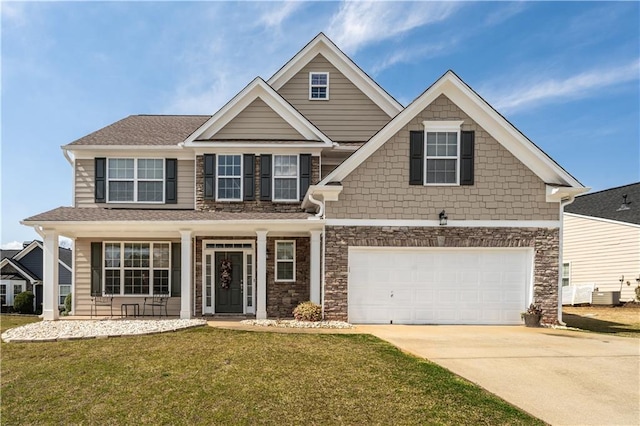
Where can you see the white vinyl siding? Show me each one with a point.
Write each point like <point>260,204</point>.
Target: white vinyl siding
<point>601,252</point>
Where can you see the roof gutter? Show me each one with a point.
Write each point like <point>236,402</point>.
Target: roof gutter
<point>65,151</point>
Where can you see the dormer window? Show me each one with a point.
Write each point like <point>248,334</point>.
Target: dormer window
<point>318,86</point>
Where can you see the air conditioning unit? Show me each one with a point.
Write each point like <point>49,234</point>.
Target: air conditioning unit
<point>605,298</point>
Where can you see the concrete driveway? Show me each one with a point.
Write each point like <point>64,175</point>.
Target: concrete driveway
<point>562,377</point>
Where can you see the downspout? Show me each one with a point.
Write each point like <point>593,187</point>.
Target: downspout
<point>563,203</point>
<point>322,275</point>
<point>320,205</point>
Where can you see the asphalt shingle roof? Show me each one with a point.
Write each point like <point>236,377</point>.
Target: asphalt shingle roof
<point>606,204</point>
<point>146,130</point>
<point>8,253</point>
<point>86,214</point>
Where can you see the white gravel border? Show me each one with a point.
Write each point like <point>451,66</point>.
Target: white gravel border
<point>297,324</point>
<point>52,331</point>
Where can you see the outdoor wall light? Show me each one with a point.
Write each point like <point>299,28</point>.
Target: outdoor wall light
<point>443,218</point>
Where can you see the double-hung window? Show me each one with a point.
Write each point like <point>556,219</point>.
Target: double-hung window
<point>285,261</point>
<point>318,86</point>
<point>137,180</point>
<point>9,290</point>
<point>442,160</point>
<point>285,178</point>
<point>229,177</point>
<point>136,268</point>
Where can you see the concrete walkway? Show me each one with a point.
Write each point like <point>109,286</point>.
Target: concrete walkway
<point>562,377</point>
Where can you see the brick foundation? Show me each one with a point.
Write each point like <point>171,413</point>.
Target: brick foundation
<point>543,241</point>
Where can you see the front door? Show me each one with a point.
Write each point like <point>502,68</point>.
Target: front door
<point>229,270</point>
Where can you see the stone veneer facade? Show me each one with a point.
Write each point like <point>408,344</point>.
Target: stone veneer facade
<point>504,188</point>
<point>282,297</point>
<point>544,242</point>
<point>248,206</point>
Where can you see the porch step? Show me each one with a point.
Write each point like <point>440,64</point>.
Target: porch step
<point>236,317</point>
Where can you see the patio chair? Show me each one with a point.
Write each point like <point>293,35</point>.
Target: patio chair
<point>157,300</point>
<point>101,300</point>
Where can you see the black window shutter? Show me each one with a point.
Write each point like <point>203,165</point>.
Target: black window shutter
<point>100,180</point>
<point>305,174</point>
<point>265,177</point>
<point>171,183</point>
<point>209,176</point>
<point>466,157</point>
<point>249,177</point>
<point>416,158</point>
<point>96,269</point>
<point>176,258</point>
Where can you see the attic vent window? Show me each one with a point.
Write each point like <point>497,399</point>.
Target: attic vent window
<point>625,204</point>
<point>318,86</point>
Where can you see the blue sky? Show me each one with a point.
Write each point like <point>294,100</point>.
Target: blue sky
<point>565,74</point>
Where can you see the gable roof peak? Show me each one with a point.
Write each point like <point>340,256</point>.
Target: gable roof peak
<point>258,88</point>
<point>321,44</point>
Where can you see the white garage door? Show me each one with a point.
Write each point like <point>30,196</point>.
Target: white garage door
<point>438,286</point>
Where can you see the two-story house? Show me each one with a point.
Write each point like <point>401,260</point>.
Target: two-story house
<point>317,185</point>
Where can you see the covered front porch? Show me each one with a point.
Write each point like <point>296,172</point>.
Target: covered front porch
<point>133,254</point>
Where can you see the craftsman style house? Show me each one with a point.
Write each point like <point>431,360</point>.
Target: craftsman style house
<point>317,185</point>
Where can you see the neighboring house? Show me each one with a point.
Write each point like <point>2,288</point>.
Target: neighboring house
<point>317,184</point>
<point>601,240</point>
<point>22,271</point>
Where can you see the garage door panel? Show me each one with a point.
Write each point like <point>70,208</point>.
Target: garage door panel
<point>438,286</point>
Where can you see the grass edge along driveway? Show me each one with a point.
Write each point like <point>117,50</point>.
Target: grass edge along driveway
<point>213,376</point>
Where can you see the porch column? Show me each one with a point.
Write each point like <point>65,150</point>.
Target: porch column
<point>185,274</point>
<point>314,271</point>
<point>261,305</point>
<point>50,277</point>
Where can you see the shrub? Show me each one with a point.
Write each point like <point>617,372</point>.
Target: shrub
<point>67,304</point>
<point>308,311</point>
<point>638,293</point>
<point>23,303</point>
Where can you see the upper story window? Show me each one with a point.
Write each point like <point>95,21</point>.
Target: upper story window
<point>285,178</point>
<point>318,86</point>
<point>139,180</point>
<point>442,152</point>
<point>229,178</point>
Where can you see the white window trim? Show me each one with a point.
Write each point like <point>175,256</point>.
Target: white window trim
<point>293,261</point>
<point>122,268</point>
<point>311,86</point>
<point>562,277</point>
<point>239,177</point>
<point>136,180</point>
<point>10,294</point>
<point>60,293</point>
<point>442,126</point>
<point>274,177</point>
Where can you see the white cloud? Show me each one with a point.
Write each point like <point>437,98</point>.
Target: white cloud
<point>357,24</point>
<point>504,12</point>
<point>413,54</point>
<point>278,12</point>
<point>13,12</point>
<point>534,91</point>
<point>13,245</point>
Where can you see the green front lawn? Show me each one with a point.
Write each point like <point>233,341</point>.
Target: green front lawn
<point>212,376</point>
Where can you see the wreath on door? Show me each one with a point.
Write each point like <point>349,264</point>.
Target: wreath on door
<point>225,273</point>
